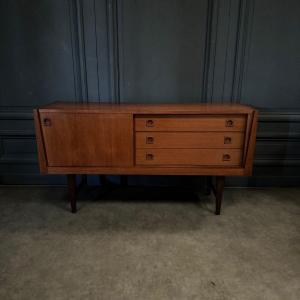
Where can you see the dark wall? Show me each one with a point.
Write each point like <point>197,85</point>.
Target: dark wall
<point>242,51</point>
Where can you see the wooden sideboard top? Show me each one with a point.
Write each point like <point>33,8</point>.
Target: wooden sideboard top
<point>201,108</point>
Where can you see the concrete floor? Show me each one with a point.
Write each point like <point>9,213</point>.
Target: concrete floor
<point>149,244</point>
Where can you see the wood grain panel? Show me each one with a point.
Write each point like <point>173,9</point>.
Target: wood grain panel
<point>189,157</point>
<point>75,140</point>
<point>40,142</point>
<point>122,140</point>
<point>189,140</point>
<point>151,170</point>
<point>191,123</point>
<point>149,109</point>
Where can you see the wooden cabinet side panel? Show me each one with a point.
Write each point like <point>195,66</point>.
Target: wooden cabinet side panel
<point>122,140</point>
<point>40,142</point>
<point>251,145</point>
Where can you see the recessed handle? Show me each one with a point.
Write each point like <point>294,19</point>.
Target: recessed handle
<point>47,122</point>
<point>149,156</point>
<point>227,140</point>
<point>149,140</point>
<point>149,123</point>
<point>226,157</point>
<point>229,123</point>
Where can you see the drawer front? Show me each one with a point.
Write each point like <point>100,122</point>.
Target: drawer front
<point>189,157</point>
<point>179,140</point>
<point>191,123</point>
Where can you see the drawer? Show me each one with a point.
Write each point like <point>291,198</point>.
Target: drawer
<point>189,157</point>
<point>189,140</point>
<point>191,123</point>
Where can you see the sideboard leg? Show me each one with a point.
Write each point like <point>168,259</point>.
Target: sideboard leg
<point>219,193</point>
<point>72,191</point>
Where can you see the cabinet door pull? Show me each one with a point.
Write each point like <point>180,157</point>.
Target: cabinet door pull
<point>226,157</point>
<point>47,122</point>
<point>149,140</point>
<point>229,123</point>
<point>149,156</point>
<point>227,140</point>
<point>149,123</point>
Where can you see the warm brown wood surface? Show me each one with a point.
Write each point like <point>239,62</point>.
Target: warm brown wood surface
<point>122,145</point>
<point>189,157</point>
<point>88,136</point>
<point>73,140</point>
<point>96,140</point>
<point>189,140</point>
<point>147,108</point>
<point>152,170</point>
<point>191,123</point>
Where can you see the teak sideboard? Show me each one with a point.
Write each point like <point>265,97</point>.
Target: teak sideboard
<point>160,139</point>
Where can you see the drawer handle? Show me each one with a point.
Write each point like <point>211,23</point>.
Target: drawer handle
<point>149,156</point>
<point>226,157</point>
<point>47,122</point>
<point>149,140</point>
<point>227,140</point>
<point>149,123</point>
<point>229,123</point>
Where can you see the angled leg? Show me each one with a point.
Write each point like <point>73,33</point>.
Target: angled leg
<point>72,191</point>
<point>219,193</point>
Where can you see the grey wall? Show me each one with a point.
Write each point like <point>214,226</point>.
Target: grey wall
<point>242,51</point>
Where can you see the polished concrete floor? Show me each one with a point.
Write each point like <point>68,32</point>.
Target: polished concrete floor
<point>149,244</point>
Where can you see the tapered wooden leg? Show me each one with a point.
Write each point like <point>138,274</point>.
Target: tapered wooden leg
<point>219,193</point>
<point>72,191</point>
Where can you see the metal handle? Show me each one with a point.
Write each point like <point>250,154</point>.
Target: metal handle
<point>149,140</point>
<point>226,157</point>
<point>149,156</point>
<point>227,140</point>
<point>149,123</point>
<point>47,122</point>
<point>229,123</point>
